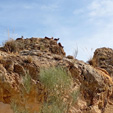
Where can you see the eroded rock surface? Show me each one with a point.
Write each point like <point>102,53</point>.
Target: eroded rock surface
<point>103,58</point>
<point>94,83</point>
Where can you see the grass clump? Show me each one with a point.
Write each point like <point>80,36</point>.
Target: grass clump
<point>12,46</point>
<point>57,82</point>
<point>53,108</point>
<point>55,76</point>
<point>74,95</point>
<point>27,82</point>
<point>16,109</point>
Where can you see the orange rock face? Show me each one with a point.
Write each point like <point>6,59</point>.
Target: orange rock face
<point>20,68</point>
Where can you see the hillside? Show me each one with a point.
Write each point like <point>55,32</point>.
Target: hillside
<point>36,76</point>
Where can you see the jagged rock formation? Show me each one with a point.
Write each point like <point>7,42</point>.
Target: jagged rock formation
<point>30,55</point>
<point>103,58</point>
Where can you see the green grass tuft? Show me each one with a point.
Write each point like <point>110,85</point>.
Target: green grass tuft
<point>57,82</point>
<point>27,82</point>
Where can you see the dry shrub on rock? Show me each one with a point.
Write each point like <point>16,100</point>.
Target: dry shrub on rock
<point>12,46</point>
<point>57,82</point>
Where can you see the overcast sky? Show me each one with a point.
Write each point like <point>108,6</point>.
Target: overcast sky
<point>82,24</point>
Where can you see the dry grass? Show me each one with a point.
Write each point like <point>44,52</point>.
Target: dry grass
<point>27,82</point>
<point>16,108</point>
<point>12,46</point>
<point>75,53</point>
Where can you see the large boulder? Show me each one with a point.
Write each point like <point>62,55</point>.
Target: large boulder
<point>103,58</point>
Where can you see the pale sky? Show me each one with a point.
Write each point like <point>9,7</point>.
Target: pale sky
<point>82,24</point>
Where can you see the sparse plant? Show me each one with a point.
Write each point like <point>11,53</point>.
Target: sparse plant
<point>53,108</point>
<point>74,95</point>
<point>57,81</point>
<point>10,46</point>
<point>16,108</point>
<point>27,82</point>
<point>55,76</point>
<point>75,53</point>
<point>89,52</point>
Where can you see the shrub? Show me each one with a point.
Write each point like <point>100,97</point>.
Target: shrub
<point>57,82</point>
<point>55,76</point>
<point>12,46</point>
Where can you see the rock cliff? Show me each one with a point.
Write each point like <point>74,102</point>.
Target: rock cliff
<point>21,89</point>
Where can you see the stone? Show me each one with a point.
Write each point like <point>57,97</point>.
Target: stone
<point>103,58</point>
<point>93,82</point>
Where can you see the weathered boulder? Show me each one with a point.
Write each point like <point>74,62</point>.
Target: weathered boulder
<point>103,58</point>
<point>94,84</point>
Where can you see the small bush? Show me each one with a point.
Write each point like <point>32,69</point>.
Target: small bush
<point>57,82</point>
<point>55,76</point>
<point>12,46</point>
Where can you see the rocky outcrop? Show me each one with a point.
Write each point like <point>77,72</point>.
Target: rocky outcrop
<point>95,86</point>
<point>94,83</point>
<point>34,44</point>
<point>103,58</point>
